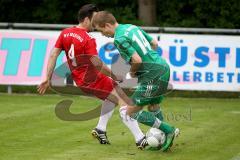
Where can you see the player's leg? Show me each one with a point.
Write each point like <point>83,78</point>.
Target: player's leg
<point>141,99</point>
<point>149,119</point>
<point>106,113</point>
<point>159,85</point>
<point>156,111</point>
<point>124,102</point>
<point>106,88</point>
<point>101,89</point>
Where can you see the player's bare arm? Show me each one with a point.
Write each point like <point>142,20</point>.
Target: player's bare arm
<point>50,67</point>
<point>97,62</point>
<point>136,61</point>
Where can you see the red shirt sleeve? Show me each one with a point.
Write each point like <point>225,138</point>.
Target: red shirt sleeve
<point>90,47</point>
<point>59,42</point>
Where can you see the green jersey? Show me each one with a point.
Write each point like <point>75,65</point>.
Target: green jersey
<point>153,74</point>
<point>130,39</point>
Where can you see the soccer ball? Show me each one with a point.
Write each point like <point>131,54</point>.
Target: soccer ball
<point>155,137</point>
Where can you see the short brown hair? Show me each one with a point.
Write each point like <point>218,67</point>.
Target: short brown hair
<point>103,17</point>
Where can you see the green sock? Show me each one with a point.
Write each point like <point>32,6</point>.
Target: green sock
<point>158,114</point>
<point>149,119</point>
<point>166,128</point>
<point>145,117</point>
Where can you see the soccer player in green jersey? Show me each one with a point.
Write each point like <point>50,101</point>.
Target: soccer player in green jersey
<point>138,48</point>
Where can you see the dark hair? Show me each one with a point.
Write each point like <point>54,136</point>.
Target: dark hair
<point>86,11</point>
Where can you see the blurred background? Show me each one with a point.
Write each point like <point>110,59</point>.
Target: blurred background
<point>164,13</point>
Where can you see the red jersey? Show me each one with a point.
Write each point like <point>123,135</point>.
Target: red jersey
<point>79,47</point>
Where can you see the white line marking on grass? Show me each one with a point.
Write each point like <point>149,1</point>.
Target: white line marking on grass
<point>235,112</point>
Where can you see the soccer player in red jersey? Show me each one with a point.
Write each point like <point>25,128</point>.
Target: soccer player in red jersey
<point>91,75</point>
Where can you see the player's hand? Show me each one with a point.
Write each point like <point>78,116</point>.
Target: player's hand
<point>43,87</point>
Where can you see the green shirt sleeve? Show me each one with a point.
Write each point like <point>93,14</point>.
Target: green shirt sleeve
<point>147,36</point>
<point>125,48</point>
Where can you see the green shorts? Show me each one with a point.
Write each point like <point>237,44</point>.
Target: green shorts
<point>152,86</point>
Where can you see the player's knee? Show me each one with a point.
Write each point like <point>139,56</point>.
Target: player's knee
<point>125,111</point>
<point>124,98</point>
<point>131,110</point>
<point>133,115</point>
<point>129,113</point>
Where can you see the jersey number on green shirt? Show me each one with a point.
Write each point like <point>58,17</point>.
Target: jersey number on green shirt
<point>142,42</point>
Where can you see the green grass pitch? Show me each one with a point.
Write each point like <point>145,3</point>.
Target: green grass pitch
<point>30,130</point>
